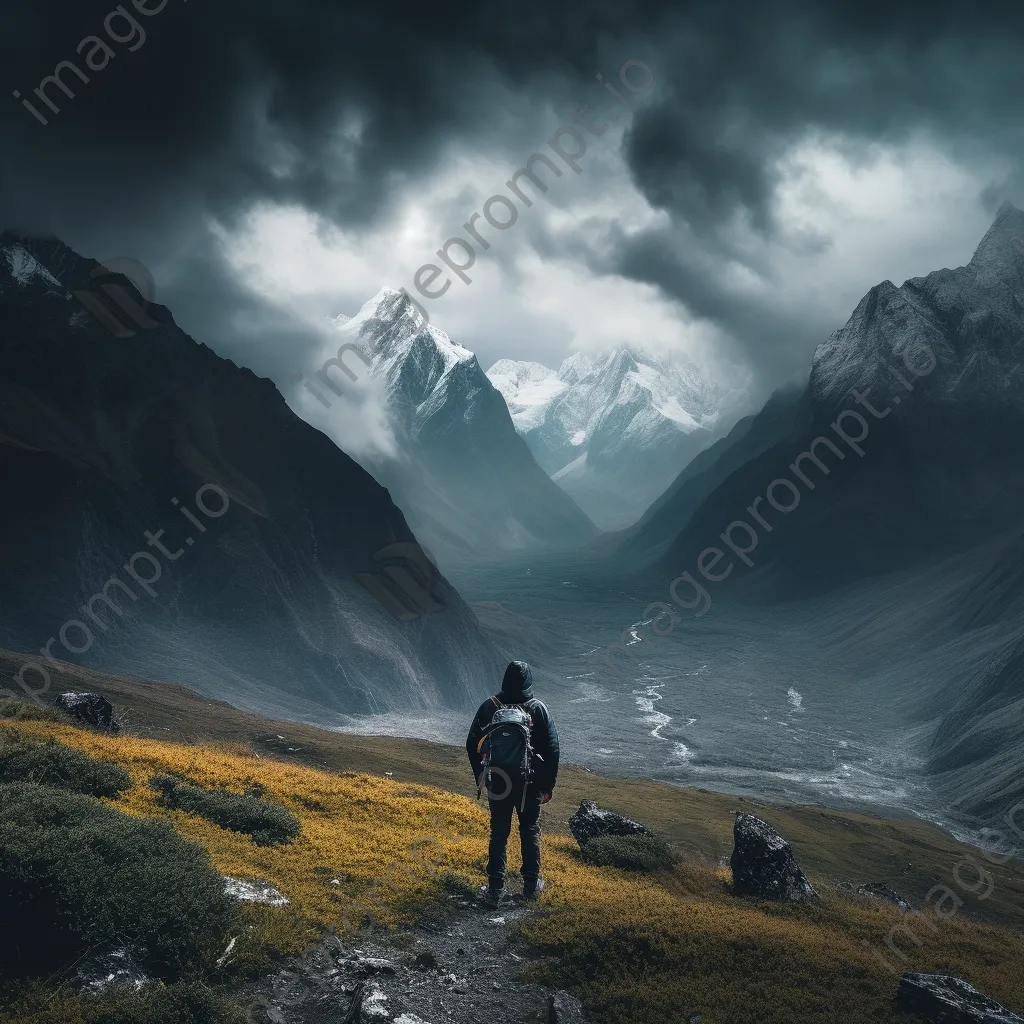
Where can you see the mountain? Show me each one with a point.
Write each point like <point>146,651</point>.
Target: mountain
<point>897,471</point>
<point>275,572</point>
<point>750,437</point>
<point>464,477</point>
<point>613,433</point>
<point>941,466</point>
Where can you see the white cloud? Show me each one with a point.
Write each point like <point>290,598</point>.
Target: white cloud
<point>850,219</point>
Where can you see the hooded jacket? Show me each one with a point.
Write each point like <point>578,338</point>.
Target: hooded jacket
<point>517,689</point>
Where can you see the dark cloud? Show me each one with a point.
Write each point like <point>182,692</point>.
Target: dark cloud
<point>341,108</point>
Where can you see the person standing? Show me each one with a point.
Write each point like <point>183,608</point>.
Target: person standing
<point>513,750</point>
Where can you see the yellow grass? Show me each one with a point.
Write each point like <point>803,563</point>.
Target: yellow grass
<point>640,949</point>
<point>367,844</point>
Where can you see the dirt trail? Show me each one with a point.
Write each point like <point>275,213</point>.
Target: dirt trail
<point>460,964</point>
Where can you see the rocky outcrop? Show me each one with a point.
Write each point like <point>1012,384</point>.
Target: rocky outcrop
<point>89,708</point>
<point>565,1009</point>
<point>875,891</point>
<point>763,865</point>
<point>881,891</point>
<point>945,1000</point>
<point>591,821</point>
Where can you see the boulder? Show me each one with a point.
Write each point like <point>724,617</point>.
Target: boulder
<point>565,1009</point>
<point>591,821</point>
<point>945,1000</point>
<point>763,864</point>
<point>254,891</point>
<point>115,970</point>
<point>367,1005</point>
<point>90,708</point>
<point>366,966</point>
<point>881,891</point>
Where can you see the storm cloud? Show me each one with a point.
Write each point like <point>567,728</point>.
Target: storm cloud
<point>715,208</point>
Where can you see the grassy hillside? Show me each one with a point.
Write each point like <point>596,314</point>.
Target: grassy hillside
<point>650,949</point>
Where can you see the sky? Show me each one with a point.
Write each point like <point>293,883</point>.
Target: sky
<point>275,164</point>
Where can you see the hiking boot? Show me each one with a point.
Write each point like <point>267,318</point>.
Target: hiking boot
<point>492,897</point>
<point>532,888</point>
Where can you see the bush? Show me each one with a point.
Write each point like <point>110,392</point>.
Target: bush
<point>633,853</point>
<point>76,874</point>
<point>53,764</point>
<point>187,1003</point>
<point>268,823</point>
<point>30,711</point>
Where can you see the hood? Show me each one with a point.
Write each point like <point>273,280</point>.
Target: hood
<point>517,684</point>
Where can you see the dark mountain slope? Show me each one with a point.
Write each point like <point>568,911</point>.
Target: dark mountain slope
<point>100,435</point>
<point>939,466</point>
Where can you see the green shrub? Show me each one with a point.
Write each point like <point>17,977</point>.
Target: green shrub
<point>53,764</point>
<point>77,874</point>
<point>189,1002</point>
<point>30,711</point>
<point>268,823</point>
<point>634,853</point>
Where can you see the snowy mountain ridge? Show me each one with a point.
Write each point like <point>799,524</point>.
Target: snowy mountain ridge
<point>614,430</point>
<point>464,476</point>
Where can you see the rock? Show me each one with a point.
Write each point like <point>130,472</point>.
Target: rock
<point>90,708</point>
<point>409,1018</point>
<point>945,1000</point>
<point>426,960</point>
<point>115,970</point>
<point>591,821</point>
<point>565,1009</point>
<point>373,1004</point>
<point>880,891</point>
<point>367,1006</point>
<point>365,966</point>
<point>254,892</point>
<point>763,864</point>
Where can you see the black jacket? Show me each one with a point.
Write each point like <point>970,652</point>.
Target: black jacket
<point>517,689</point>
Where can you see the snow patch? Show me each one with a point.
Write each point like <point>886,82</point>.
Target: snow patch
<point>24,266</point>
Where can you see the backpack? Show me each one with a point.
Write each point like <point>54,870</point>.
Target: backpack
<point>507,748</point>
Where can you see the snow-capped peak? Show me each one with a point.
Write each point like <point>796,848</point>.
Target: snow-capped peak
<point>392,324</point>
<point>574,402</point>
<point>613,429</point>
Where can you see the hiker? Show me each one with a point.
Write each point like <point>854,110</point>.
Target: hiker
<point>513,748</point>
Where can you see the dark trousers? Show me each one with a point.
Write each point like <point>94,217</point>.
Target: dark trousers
<point>529,833</point>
